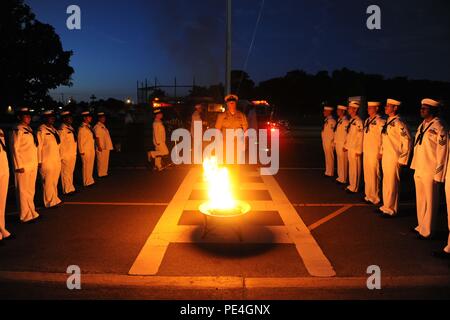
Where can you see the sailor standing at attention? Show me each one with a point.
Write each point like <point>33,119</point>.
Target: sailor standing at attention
<point>429,163</point>
<point>394,153</point>
<point>24,146</point>
<point>372,144</point>
<point>354,147</point>
<point>340,135</point>
<point>49,159</point>
<point>104,145</point>
<point>4,182</point>
<point>86,148</point>
<point>445,254</point>
<point>328,127</point>
<point>68,151</point>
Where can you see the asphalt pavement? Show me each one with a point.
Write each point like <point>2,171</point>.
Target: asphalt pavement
<point>137,235</point>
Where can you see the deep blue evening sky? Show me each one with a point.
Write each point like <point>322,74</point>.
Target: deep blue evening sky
<point>123,41</point>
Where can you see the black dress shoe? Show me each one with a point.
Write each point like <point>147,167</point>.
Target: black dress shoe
<point>59,205</point>
<point>413,230</point>
<point>350,192</point>
<point>422,238</point>
<point>387,216</point>
<point>10,238</point>
<point>441,255</point>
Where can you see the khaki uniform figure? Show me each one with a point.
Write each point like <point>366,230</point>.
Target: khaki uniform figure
<point>159,140</point>
<point>68,152</point>
<point>429,163</point>
<point>49,159</point>
<point>4,182</point>
<point>24,146</point>
<point>232,119</point>
<point>86,148</point>
<point>328,130</point>
<point>340,136</point>
<point>354,147</point>
<point>395,152</point>
<point>104,145</point>
<point>373,127</point>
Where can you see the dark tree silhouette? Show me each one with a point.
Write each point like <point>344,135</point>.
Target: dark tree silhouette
<point>32,60</point>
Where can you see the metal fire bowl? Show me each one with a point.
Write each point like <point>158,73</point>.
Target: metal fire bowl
<point>241,209</point>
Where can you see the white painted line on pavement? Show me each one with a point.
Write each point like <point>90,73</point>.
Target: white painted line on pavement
<point>328,218</point>
<point>312,255</point>
<point>151,256</point>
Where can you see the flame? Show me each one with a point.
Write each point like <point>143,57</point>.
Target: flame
<point>218,185</point>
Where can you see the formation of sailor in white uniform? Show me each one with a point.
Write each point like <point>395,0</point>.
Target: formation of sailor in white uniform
<point>383,145</point>
<point>53,153</point>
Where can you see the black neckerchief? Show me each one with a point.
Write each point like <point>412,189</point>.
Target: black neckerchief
<point>350,125</point>
<point>369,123</point>
<point>387,124</point>
<point>421,135</point>
<point>29,130</point>
<point>338,124</point>
<point>72,130</point>
<point>55,134</point>
<point>2,145</point>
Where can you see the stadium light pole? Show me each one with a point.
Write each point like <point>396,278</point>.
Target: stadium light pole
<point>228,50</point>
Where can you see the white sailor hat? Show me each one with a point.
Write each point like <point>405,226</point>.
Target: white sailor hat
<point>373,104</point>
<point>86,113</point>
<point>23,111</point>
<point>231,97</point>
<point>328,108</point>
<point>48,113</point>
<point>354,104</point>
<point>431,103</point>
<point>156,111</point>
<point>65,113</point>
<point>100,114</point>
<point>341,107</point>
<point>394,102</point>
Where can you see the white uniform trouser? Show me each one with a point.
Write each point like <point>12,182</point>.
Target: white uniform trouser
<point>160,151</point>
<point>328,150</point>
<point>427,198</point>
<point>50,172</point>
<point>88,160</point>
<point>372,176</point>
<point>447,193</point>
<point>342,163</point>
<point>4,181</point>
<point>67,169</point>
<point>102,162</point>
<point>354,170</point>
<point>391,183</point>
<point>26,186</point>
